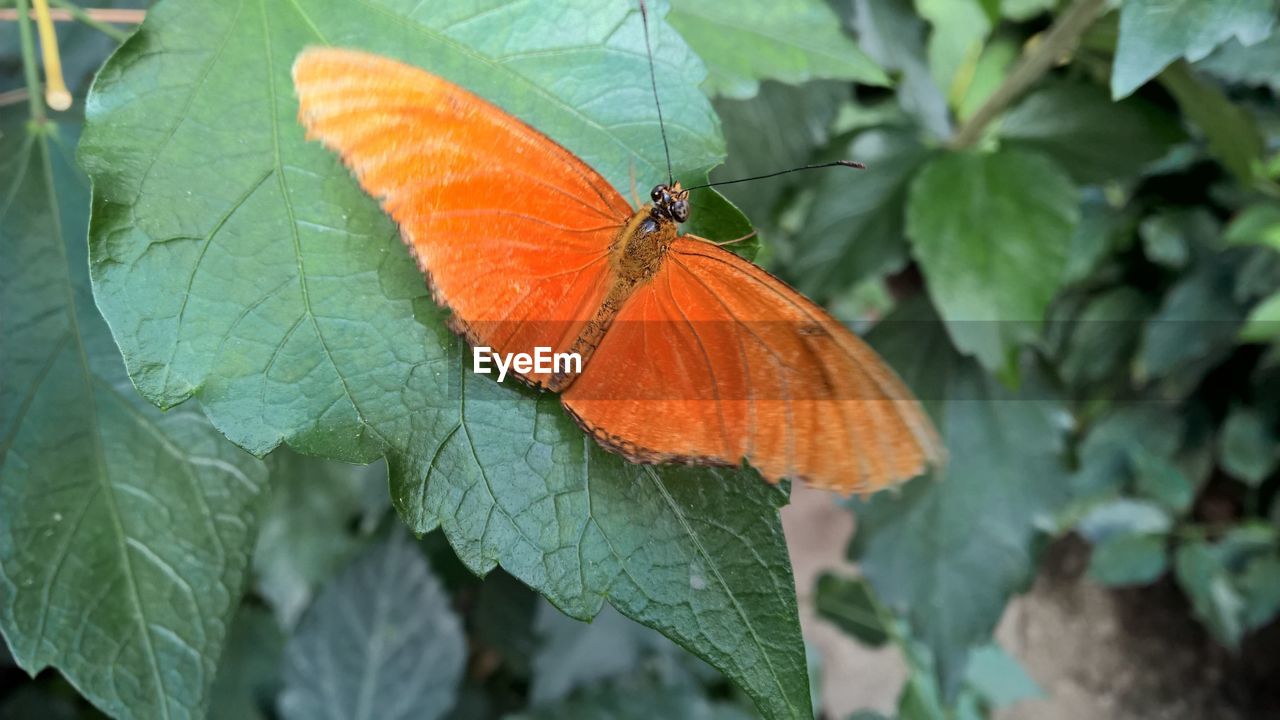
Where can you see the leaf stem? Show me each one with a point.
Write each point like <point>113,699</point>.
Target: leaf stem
<point>78,14</point>
<point>1058,41</point>
<point>29,63</point>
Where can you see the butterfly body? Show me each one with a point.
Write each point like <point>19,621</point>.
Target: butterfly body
<point>689,353</point>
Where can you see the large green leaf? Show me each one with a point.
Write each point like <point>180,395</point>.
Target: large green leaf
<point>854,228</point>
<point>949,551</point>
<point>991,231</point>
<point>238,263</point>
<point>1093,138</point>
<point>1154,33</point>
<point>778,129</point>
<point>788,40</point>
<point>125,533</point>
<point>381,641</point>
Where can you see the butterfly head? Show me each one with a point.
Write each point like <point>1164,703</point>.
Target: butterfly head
<point>670,202</point>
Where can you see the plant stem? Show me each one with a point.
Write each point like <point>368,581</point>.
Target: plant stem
<point>56,93</point>
<point>29,63</point>
<point>80,15</point>
<point>1058,41</point>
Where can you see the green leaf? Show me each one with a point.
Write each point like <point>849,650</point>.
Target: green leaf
<point>1093,138</point>
<point>124,532</point>
<point>950,550</point>
<point>380,641</point>
<point>1104,336</point>
<point>1260,585</point>
<point>1163,239</point>
<point>1107,452</point>
<point>893,35</point>
<point>1214,599</point>
<point>851,605</point>
<point>1232,133</point>
<point>796,122</point>
<point>1154,33</point>
<point>999,678</point>
<point>241,264</point>
<point>793,41</point>
<point>991,231</point>
<point>1102,231</point>
<point>1197,322</point>
<point>1256,225</point>
<point>959,31</point>
<point>249,670</point>
<point>1121,517</point>
<point>1162,480</point>
<point>1246,448</point>
<point>305,535</point>
<point>1128,560</point>
<point>988,72</point>
<point>1257,64</point>
<point>854,228</point>
<point>1263,323</point>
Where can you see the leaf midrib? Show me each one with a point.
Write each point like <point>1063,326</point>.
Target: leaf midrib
<point>113,511</point>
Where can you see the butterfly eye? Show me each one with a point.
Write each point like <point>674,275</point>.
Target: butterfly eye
<point>680,210</point>
<point>656,193</point>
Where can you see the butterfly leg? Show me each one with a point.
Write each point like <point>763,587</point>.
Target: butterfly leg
<point>722,243</point>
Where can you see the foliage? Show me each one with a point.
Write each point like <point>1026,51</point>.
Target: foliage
<point>1077,268</point>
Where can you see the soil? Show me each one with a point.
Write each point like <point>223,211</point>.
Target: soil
<point>1134,654</point>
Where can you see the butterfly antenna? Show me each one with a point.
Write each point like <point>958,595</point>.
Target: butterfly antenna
<point>653,80</point>
<point>836,163</point>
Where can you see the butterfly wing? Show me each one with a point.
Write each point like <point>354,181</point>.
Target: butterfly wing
<point>715,360</point>
<point>512,230</point>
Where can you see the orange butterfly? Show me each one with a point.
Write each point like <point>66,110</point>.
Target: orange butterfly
<point>689,353</point>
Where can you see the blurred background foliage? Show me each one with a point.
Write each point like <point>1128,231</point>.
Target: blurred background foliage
<point>1067,242</point>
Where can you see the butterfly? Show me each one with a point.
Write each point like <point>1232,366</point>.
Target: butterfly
<point>689,353</point>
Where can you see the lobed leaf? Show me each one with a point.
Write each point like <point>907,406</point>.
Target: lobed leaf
<point>240,264</point>
<point>1154,33</point>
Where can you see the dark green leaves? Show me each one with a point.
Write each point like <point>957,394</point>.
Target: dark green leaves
<point>1154,33</point>
<point>241,264</point>
<point>788,40</point>
<point>124,533</point>
<point>991,231</point>
<point>1093,138</point>
<point>854,227</point>
<point>380,642</point>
